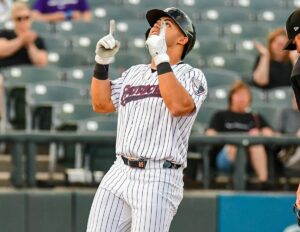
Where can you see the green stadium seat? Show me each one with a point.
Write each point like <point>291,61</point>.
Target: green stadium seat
<point>43,28</point>
<point>206,112</point>
<point>247,46</point>
<point>125,60</point>
<point>99,3</point>
<point>204,29</point>
<point>240,63</point>
<point>203,3</point>
<point>268,112</point>
<point>16,79</point>
<point>276,17</point>
<point>70,114</point>
<point>41,97</point>
<point>219,77</point>
<point>256,5</point>
<point>226,15</point>
<point>210,45</point>
<point>194,59</point>
<point>247,30</point>
<point>68,59</point>
<point>80,28</point>
<point>292,4</point>
<point>85,43</point>
<point>218,95</point>
<point>131,28</point>
<point>280,97</point>
<point>107,12</point>
<point>259,96</point>
<point>146,4</point>
<point>56,43</point>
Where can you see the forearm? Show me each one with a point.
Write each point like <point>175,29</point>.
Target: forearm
<point>50,17</point>
<point>37,56</point>
<point>101,96</point>
<point>9,47</point>
<point>86,16</point>
<point>261,73</point>
<point>175,96</point>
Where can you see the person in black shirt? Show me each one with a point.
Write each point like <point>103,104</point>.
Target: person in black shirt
<point>21,46</point>
<point>273,66</point>
<point>238,119</point>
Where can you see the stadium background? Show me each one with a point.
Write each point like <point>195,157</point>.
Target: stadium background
<point>224,51</point>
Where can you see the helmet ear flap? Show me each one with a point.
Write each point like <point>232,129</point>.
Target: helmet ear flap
<point>147,33</point>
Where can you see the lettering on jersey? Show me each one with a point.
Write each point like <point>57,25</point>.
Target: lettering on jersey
<point>134,93</point>
<point>198,86</point>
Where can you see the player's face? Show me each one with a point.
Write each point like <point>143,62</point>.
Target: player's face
<point>22,20</point>
<point>241,100</point>
<point>173,33</point>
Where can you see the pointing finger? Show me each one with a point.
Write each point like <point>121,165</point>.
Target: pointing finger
<point>112,26</point>
<point>163,27</point>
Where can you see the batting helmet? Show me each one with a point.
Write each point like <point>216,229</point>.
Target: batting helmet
<point>181,19</point>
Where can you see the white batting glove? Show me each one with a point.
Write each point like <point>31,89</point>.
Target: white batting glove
<point>157,46</point>
<point>107,47</point>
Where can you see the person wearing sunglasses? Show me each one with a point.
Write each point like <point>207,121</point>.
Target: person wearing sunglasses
<point>21,46</point>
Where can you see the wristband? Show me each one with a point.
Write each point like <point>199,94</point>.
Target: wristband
<point>163,68</point>
<point>101,72</point>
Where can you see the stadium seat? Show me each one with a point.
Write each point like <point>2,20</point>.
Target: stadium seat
<point>204,29</point>
<point>247,46</point>
<point>85,43</point>
<point>292,4</point>
<point>218,95</point>
<point>259,96</point>
<point>276,17</point>
<point>194,59</point>
<point>106,123</point>
<point>203,4</point>
<point>43,28</point>
<point>240,63</point>
<point>280,97</point>
<point>56,43</point>
<point>131,28</point>
<point>16,79</point>
<point>107,12</point>
<point>70,114</point>
<point>211,45</point>
<point>206,112</point>
<point>125,60</point>
<point>79,28</point>
<point>219,77</point>
<point>247,30</point>
<point>256,5</point>
<point>226,15</point>
<point>146,4</point>
<point>267,111</point>
<point>99,3</point>
<point>41,97</point>
<point>68,59</point>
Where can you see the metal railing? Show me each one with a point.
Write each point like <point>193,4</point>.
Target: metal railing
<point>26,143</point>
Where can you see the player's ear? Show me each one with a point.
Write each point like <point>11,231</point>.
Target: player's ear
<point>183,40</point>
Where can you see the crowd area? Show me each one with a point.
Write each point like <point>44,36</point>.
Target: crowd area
<point>47,55</point>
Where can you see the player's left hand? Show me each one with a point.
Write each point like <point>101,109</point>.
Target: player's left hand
<point>157,45</point>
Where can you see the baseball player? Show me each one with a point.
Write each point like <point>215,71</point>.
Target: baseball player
<point>157,104</point>
<point>293,33</point>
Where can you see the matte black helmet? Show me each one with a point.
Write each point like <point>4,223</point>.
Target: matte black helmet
<point>181,19</point>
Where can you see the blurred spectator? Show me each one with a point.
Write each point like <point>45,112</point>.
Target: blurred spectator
<point>56,11</point>
<point>274,65</point>
<point>288,122</point>
<point>21,45</point>
<point>5,7</point>
<point>238,119</point>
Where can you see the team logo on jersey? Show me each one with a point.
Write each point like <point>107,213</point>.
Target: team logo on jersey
<point>134,93</point>
<point>198,86</point>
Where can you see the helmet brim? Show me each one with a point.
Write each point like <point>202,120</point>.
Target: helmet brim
<point>290,45</point>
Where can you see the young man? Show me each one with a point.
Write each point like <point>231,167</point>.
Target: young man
<point>293,30</point>
<point>157,104</point>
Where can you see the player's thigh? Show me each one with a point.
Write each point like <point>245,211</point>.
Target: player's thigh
<point>109,213</point>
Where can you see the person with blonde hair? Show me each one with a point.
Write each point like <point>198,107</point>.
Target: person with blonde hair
<point>274,65</point>
<point>237,118</point>
<point>21,46</point>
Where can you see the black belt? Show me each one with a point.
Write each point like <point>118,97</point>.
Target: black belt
<point>141,163</point>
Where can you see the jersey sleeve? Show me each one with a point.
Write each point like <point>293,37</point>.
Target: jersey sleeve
<point>195,83</point>
<point>115,86</point>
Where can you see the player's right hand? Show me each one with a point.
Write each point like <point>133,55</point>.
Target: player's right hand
<point>107,47</point>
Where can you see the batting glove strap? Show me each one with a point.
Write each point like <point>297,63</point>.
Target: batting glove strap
<point>104,60</point>
<point>101,71</point>
<point>163,68</point>
<point>161,58</point>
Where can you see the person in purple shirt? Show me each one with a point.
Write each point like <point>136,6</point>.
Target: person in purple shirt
<point>60,10</point>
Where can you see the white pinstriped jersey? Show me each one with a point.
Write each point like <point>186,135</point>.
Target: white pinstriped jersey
<point>146,128</point>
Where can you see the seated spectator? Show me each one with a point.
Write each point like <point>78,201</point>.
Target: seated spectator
<point>5,7</point>
<point>57,11</point>
<point>273,66</point>
<point>237,119</point>
<point>288,122</point>
<point>21,46</point>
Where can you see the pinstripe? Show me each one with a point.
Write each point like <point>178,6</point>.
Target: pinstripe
<point>145,200</point>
